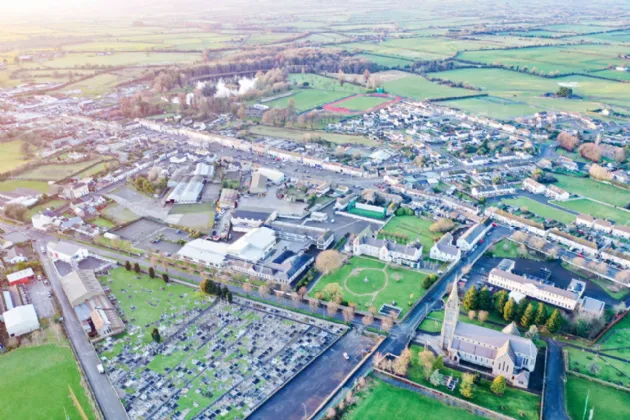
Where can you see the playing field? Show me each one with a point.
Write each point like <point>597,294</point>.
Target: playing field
<point>362,103</point>
<point>369,282</point>
<point>57,172</point>
<point>541,210</point>
<point>413,228</point>
<point>299,135</point>
<point>382,400</point>
<point>608,402</point>
<point>36,383</point>
<point>596,190</point>
<point>597,210</point>
<point>11,156</point>
<point>417,87</point>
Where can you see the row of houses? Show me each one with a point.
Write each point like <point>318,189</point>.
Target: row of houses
<point>444,249</point>
<point>603,226</point>
<point>550,191</point>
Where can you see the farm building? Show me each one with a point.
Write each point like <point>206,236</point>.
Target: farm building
<point>187,191</point>
<point>21,277</point>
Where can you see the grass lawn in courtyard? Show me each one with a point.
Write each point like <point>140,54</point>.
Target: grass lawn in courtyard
<point>608,402</point>
<point>415,228</point>
<point>36,383</point>
<point>597,210</point>
<point>11,156</point>
<point>515,403</point>
<point>385,284</point>
<point>541,210</point>
<point>505,249</point>
<point>596,190</point>
<point>433,322</point>
<point>382,400</point>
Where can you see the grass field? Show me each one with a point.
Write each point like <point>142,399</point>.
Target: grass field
<point>382,400</point>
<point>505,249</point>
<point>493,107</point>
<point>415,228</point>
<point>306,99</point>
<point>35,383</point>
<point>386,284</point>
<point>596,210</point>
<point>121,59</point>
<point>96,169</point>
<point>432,323</point>
<point>56,172</point>
<point>104,223</point>
<point>541,210</point>
<point>514,403</point>
<point>12,184</point>
<point>609,370</point>
<point>616,342</point>
<point>419,88</point>
<point>383,60</point>
<point>363,103</point>
<point>596,190</point>
<point>298,135</point>
<point>608,402</point>
<point>119,213</point>
<point>11,156</point>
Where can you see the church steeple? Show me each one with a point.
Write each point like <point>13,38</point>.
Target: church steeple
<point>451,314</point>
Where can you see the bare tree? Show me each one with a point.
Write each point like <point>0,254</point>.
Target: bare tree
<point>302,292</point>
<point>623,277</point>
<point>263,290</point>
<point>367,319</point>
<point>247,288</point>
<point>328,261</point>
<point>579,261</point>
<point>348,313</point>
<point>332,307</point>
<point>313,304</point>
<point>296,298</point>
<point>387,324</point>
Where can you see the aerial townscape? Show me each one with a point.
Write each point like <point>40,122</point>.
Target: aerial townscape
<point>292,210</point>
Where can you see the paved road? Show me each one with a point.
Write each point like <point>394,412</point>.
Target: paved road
<point>106,396</point>
<point>555,408</point>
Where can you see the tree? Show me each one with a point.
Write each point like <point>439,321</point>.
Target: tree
<point>500,299</point>
<point>471,299</point>
<point>598,172</point>
<point>387,324</point>
<point>429,281</point>
<point>165,277</point>
<point>328,261</point>
<point>15,211</point>
<point>590,151</point>
<point>333,291</point>
<point>485,299</point>
<point>247,288</point>
<point>367,319</point>
<point>442,225</point>
<point>567,141</point>
<point>532,333</point>
<point>554,321</point>
<point>509,311</point>
<point>564,92</point>
<point>467,387</point>
<point>151,272</point>
<point>541,314</point>
<point>127,266</point>
<point>366,76</point>
<point>520,309</point>
<point>426,360</point>
<point>439,363</point>
<point>436,378</point>
<point>136,268</point>
<point>498,385</point>
<point>332,307</point>
<point>483,316</point>
<point>341,77</point>
<point>348,313</point>
<point>263,290</point>
<point>228,297</point>
<point>155,334</point>
<point>472,315</point>
<point>313,304</point>
<point>528,316</point>
<point>402,362</point>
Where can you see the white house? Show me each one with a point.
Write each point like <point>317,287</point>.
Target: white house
<point>66,252</point>
<point>76,190</point>
<point>557,193</point>
<point>534,186</point>
<point>585,220</point>
<point>472,236</point>
<point>42,220</point>
<point>621,231</point>
<point>444,250</point>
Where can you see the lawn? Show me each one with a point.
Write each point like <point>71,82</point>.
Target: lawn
<point>383,60</point>
<point>419,88</point>
<point>384,285</point>
<point>514,403</point>
<point>363,103</point>
<point>382,400</point>
<point>609,370</point>
<point>57,172</point>
<point>54,204</point>
<point>493,107</point>
<point>12,184</point>
<point>96,169</point>
<point>541,210</point>
<point>597,210</point>
<point>298,135</point>
<point>608,402</point>
<point>11,156</point>
<point>415,228</point>
<point>104,223</point>
<point>433,322</point>
<point>616,342</point>
<point>596,190</point>
<point>306,99</point>
<point>505,249</point>
<point>35,383</point>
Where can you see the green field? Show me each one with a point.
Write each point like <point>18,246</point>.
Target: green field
<point>505,249</point>
<point>120,59</point>
<point>306,99</point>
<point>608,402</point>
<point>415,228</point>
<point>541,210</point>
<point>363,103</point>
<point>57,172</point>
<point>596,190</point>
<point>104,223</point>
<point>616,342</point>
<point>298,135</point>
<point>119,213</point>
<point>610,370</point>
<point>388,61</point>
<point>11,156</point>
<point>419,88</point>
<point>35,383</point>
<point>433,322</point>
<point>514,403</point>
<point>493,107</point>
<point>385,284</point>
<point>12,184</point>
<point>96,169</point>
<point>382,400</point>
<point>54,204</point>
<point>597,210</point>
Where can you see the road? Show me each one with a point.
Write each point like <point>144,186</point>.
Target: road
<point>555,407</point>
<point>106,396</point>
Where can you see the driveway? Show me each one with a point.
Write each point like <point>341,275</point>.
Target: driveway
<point>555,407</point>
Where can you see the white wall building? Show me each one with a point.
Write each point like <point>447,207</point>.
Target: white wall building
<point>66,252</point>
<point>21,320</point>
<point>444,250</point>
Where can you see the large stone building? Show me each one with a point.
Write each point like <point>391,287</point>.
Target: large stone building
<point>384,250</point>
<point>502,353</point>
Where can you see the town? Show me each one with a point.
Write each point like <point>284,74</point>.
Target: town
<point>360,218</point>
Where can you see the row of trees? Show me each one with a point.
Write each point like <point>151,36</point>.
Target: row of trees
<point>212,288</point>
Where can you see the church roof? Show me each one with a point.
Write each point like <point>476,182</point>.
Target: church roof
<point>496,339</point>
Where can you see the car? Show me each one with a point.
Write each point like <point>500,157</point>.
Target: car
<point>345,356</point>
<point>49,294</point>
<point>178,231</point>
<point>100,368</point>
<point>580,255</point>
<point>494,224</point>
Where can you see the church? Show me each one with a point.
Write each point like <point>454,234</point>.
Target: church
<point>497,353</point>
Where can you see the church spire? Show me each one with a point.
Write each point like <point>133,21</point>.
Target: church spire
<point>451,315</point>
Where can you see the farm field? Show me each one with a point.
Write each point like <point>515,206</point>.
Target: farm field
<point>12,184</point>
<point>96,169</point>
<point>385,284</point>
<point>493,107</point>
<point>382,400</point>
<point>94,86</point>
<point>414,228</point>
<point>613,74</point>
<point>514,403</point>
<point>608,402</point>
<point>388,61</point>
<point>542,210</point>
<point>298,135</point>
<point>11,156</point>
<point>57,172</point>
<point>120,59</point>
<point>315,81</point>
<point>46,374</point>
<point>597,210</point>
<point>306,99</point>
<point>419,88</point>
<point>596,190</point>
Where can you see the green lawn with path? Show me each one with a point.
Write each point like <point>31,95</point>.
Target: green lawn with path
<point>616,342</point>
<point>35,383</point>
<point>505,249</point>
<point>385,284</point>
<point>541,210</point>
<point>415,228</point>
<point>382,401</point>
<point>600,367</point>
<point>608,402</point>
<point>596,190</point>
<point>597,210</point>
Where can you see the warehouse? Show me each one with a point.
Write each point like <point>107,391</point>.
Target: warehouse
<point>188,190</point>
<point>21,320</point>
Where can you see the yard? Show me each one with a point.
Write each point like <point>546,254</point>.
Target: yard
<point>596,190</point>
<point>608,402</point>
<point>505,249</point>
<point>11,156</point>
<point>57,172</point>
<point>515,403</point>
<point>382,400</point>
<point>102,222</point>
<point>38,381</point>
<point>597,210</point>
<point>369,282</point>
<point>415,228</point>
<point>541,210</point>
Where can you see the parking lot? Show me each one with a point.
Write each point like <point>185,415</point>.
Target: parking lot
<point>41,298</point>
<point>271,202</point>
